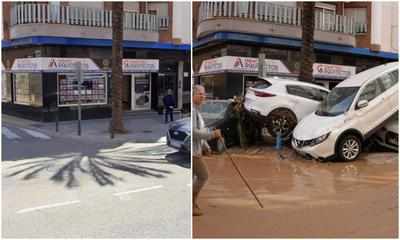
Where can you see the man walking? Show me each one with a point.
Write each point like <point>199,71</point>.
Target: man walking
<point>169,103</point>
<point>200,136</point>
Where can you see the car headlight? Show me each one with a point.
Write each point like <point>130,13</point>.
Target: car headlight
<point>319,140</point>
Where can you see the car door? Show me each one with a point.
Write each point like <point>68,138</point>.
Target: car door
<point>369,117</point>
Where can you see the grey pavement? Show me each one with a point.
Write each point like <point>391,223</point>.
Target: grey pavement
<point>142,127</point>
<point>57,185</point>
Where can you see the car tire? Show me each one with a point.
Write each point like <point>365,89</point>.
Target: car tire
<point>283,119</point>
<point>349,148</point>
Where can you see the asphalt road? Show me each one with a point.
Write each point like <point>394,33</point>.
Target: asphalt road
<point>55,187</point>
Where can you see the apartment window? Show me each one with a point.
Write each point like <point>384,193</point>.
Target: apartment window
<point>325,15</point>
<point>153,12</point>
<point>28,89</point>
<point>360,18</point>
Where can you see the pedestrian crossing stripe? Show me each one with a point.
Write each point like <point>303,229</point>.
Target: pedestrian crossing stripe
<point>9,134</point>
<point>36,134</point>
<point>13,136</point>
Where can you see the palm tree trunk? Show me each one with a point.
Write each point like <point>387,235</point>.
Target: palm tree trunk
<point>117,125</point>
<point>307,49</point>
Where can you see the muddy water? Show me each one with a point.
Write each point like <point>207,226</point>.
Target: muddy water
<point>363,191</point>
<point>284,178</point>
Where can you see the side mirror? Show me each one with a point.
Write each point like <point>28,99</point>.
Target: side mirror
<point>362,104</point>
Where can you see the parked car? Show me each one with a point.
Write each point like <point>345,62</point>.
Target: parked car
<point>217,115</point>
<point>388,136</point>
<point>279,104</point>
<point>352,112</point>
<point>179,135</point>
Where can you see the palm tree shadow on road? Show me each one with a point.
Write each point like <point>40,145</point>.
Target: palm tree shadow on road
<point>101,165</point>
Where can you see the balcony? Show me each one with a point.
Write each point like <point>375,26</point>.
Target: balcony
<point>65,21</point>
<point>275,20</point>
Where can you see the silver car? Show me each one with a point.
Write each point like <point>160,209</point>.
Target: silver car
<point>178,135</point>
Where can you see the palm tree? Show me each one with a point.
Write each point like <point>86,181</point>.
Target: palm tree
<point>307,49</point>
<point>117,125</point>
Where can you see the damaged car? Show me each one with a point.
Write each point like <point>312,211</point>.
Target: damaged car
<point>179,135</point>
<point>279,104</point>
<point>352,112</point>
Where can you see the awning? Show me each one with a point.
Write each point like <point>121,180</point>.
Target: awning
<point>273,67</point>
<point>241,65</point>
<point>263,40</point>
<point>50,64</point>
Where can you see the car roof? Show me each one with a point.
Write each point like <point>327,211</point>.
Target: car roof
<point>372,73</point>
<point>284,81</point>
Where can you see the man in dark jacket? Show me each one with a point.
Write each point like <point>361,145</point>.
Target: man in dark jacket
<point>169,103</point>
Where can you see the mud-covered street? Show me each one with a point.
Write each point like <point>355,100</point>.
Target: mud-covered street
<point>299,197</point>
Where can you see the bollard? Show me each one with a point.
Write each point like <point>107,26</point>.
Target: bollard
<point>57,119</point>
<point>278,143</point>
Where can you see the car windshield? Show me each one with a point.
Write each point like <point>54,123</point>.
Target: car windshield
<point>213,110</point>
<point>337,102</point>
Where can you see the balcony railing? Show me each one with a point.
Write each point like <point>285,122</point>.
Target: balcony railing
<point>361,28</point>
<point>274,13</point>
<point>54,14</point>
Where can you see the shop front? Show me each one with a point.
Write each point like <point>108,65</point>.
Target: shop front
<point>45,87</point>
<point>228,76</point>
<point>138,81</point>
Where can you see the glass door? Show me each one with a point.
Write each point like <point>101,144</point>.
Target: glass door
<point>141,91</point>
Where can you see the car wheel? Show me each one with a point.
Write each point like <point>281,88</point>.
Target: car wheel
<point>281,121</point>
<point>349,148</point>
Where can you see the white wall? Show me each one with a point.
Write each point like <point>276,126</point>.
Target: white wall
<point>160,7</point>
<point>181,21</point>
<point>384,27</point>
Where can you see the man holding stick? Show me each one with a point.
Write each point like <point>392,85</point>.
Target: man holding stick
<point>200,135</point>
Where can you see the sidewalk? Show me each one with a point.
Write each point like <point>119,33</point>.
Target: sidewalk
<point>141,128</point>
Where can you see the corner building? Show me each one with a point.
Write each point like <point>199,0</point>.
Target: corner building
<point>228,37</point>
<point>41,41</point>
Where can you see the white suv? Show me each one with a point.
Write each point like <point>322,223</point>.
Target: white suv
<point>354,110</point>
<point>279,104</point>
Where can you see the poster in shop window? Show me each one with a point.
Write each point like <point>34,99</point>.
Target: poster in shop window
<point>93,89</point>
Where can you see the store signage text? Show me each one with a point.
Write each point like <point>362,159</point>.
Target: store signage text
<point>52,64</point>
<point>331,70</point>
<point>140,65</point>
<point>241,64</point>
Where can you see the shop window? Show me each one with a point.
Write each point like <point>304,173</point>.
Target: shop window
<point>28,89</point>
<point>360,18</point>
<point>323,58</point>
<point>214,85</point>
<point>5,88</point>
<point>93,89</point>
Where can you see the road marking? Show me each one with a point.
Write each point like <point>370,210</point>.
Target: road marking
<point>9,134</point>
<point>47,206</point>
<point>138,190</point>
<point>36,134</point>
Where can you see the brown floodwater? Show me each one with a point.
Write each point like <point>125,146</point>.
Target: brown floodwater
<point>287,183</point>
